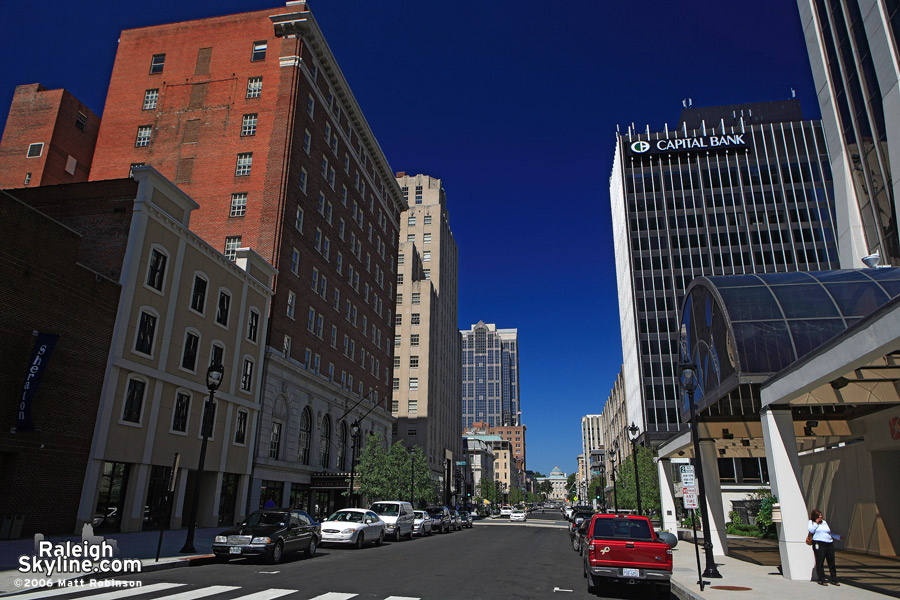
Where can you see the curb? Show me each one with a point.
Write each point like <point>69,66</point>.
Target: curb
<point>679,590</point>
<point>189,561</point>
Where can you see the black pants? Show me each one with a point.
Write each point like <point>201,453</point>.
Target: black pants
<point>824,551</point>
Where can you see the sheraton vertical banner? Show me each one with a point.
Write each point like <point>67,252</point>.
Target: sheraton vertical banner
<point>43,348</point>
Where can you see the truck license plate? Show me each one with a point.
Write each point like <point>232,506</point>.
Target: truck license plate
<point>631,572</point>
<point>237,550</point>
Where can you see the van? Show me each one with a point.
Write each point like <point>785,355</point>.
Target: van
<point>398,517</point>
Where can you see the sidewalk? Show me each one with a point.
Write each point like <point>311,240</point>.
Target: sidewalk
<point>140,545</point>
<point>749,581</point>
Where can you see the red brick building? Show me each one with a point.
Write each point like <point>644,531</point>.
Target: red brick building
<point>251,116</point>
<point>46,287</point>
<point>49,138</point>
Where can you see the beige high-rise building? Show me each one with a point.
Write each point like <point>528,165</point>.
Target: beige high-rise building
<point>427,380</point>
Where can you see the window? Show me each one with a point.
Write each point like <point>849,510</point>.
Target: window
<point>198,295</point>
<point>156,271</point>
<point>414,339</point>
<point>396,384</point>
<point>253,326</point>
<point>396,362</point>
<point>413,362</point>
<point>146,331</point>
<point>416,297</point>
<point>35,150</point>
<point>217,356</point>
<point>247,375</point>
<point>232,243</point>
<point>180,412</point>
<point>305,430</point>
<point>151,97</point>
<point>413,383</point>
<point>244,162</point>
<point>143,136</point>
<point>275,441</point>
<point>298,220</point>
<point>410,237</point>
<point>311,106</point>
<point>189,354</point>
<point>307,141</point>
<point>398,340</point>
<point>291,304</point>
<point>413,405</point>
<point>398,321</point>
<point>426,256</point>
<point>259,51</point>
<point>400,279</point>
<point>134,401</point>
<point>427,219</point>
<point>311,320</point>
<point>27,178</point>
<point>320,326</point>
<point>325,443</point>
<point>295,261</point>
<point>240,428</point>
<point>314,284</point>
<point>303,179</point>
<point>157,63</point>
<point>416,318</point>
<point>223,308</point>
<point>400,259</point>
<point>238,205</point>
<point>399,299</point>
<point>427,238</point>
<point>427,273</point>
<point>254,87</point>
<point>81,121</point>
<point>248,125</point>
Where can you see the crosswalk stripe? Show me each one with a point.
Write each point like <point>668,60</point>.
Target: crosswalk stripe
<point>401,598</point>
<point>121,593</point>
<point>268,594</point>
<point>334,596</point>
<point>201,592</point>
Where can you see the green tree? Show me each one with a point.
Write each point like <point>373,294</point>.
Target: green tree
<point>648,478</point>
<point>545,488</point>
<point>489,490</point>
<point>386,474</point>
<point>516,496</point>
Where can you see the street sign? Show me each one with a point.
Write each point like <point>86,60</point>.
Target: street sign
<point>687,475</point>
<point>461,463</point>
<point>691,498</point>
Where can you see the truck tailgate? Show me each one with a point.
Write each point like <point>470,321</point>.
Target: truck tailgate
<point>635,555</point>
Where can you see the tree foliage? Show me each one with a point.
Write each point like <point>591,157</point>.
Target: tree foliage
<point>387,474</point>
<point>648,478</point>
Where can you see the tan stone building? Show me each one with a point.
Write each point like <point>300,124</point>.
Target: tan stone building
<point>427,380</point>
<point>614,421</point>
<point>183,306</point>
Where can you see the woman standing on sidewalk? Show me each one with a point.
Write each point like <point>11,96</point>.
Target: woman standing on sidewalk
<point>823,546</point>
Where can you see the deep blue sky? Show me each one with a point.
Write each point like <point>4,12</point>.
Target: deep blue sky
<point>514,105</point>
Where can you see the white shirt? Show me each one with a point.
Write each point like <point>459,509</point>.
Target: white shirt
<point>821,531</point>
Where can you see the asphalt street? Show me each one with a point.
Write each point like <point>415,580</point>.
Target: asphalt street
<point>494,559</point>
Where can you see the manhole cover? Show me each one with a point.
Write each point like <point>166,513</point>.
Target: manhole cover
<point>731,588</point>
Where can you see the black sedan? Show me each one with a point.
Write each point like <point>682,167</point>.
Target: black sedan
<point>269,534</point>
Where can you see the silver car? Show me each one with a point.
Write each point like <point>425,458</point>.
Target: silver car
<point>354,526</point>
<point>422,525</point>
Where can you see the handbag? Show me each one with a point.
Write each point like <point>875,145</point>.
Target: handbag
<point>809,540</point>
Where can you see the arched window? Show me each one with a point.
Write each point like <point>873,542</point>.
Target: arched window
<point>305,429</point>
<point>342,447</point>
<point>325,443</point>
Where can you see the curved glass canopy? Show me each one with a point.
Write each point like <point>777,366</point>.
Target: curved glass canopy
<point>745,328</point>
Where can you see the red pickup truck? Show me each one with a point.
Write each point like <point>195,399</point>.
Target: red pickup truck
<point>626,549</point>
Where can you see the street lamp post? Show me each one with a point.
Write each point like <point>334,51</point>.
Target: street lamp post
<point>613,460</point>
<point>214,375</point>
<point>354,433</point>
<point>412,475</point>
<point>689,383</point>
<point>634,433</point>
<point>603,479</point>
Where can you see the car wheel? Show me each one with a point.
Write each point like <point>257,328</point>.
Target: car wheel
<point>410,536</point>
<point>360,540</point>
<point>311,549</point>
<point>277,553</point>
<point>380,539</point>
<point>399,537</point>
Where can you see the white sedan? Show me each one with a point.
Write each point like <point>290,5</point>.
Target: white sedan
<point>354,526</point>
<point>422,525</point>
<point>517,515</point>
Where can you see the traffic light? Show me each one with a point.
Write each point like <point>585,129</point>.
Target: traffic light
<point>599,492</point>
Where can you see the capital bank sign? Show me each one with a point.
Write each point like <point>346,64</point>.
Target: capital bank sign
<point>707,142</point>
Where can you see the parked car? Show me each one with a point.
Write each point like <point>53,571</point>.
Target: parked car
<point>354,526</point>
<point>517,515</point>
<point>269,533</point>
<point>580,536</point>
<point>423,523</point>
<point>456,520</point>
<point>466,518</point>
<point>398,517</point>
<point>577,519</point>
<point>442,521</point>
<point>626,549</point>
<point>505,511</point>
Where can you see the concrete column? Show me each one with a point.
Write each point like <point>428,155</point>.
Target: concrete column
<point>668,519</point>
<point>797,561</point>
<point>710,459</point>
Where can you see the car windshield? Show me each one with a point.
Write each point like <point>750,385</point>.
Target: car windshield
<point>390,510</point>
<point>622,528</point>
<point>267,518</point>
<point>347,516</point>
